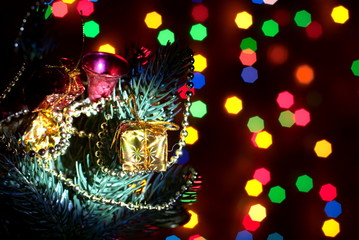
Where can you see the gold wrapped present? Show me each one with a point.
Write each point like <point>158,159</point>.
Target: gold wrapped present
<point>143,145</point>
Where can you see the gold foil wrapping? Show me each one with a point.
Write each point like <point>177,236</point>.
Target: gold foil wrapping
<point>143,147</point>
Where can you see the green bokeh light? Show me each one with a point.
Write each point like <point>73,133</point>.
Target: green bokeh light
<point>249,43</point>
<point>91,29</point>
<point>355,67</point>
<point>198,32</point>
<point>48,12</point>
<point>255,124</point>
<point>304,183</point>
<point>277,194</point>
<point>270,28</point>
<point>166,36</point>
<point>302,18</point>
<point>198,109</point>
<point>286,119</point>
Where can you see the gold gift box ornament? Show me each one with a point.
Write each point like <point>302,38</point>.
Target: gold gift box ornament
<point>142,145</point>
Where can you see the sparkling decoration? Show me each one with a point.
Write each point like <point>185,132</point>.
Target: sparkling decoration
<point>91,29</point>
<point>257,212</point>
<point>249,74</point>
<point>285,99</point>
<point>165,36</point>
<point>302,18</point>
<point>275,236</point>
<point>200,63</point>
<point>248,43</point>
<point>270,28</point>
<point>233,105</point>
<point>304,183</point>
<point>153,20</point>
<point>193,220</point>
<point>192,136</point>
<point>277,194</point>
<point>85,7</point>
<point>253,188</point>
<point>340,14</point>
<point>323,148</point>
<point>107,48</point>
<point>198,32</point>
<point>262,175</point>
<point>263,139</point>
<point>331,228</point>
<point>200,13</point>
<point>304,74</point>
<point>328,192</point>
<point>255,124</point>
<point>333,209</point>
<point>243,20</point>
<point>198,109</point>
<point>286,119</point>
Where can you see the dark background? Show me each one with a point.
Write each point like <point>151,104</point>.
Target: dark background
<point>224,154</point>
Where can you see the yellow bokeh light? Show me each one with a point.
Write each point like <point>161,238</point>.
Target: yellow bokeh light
<point>340,14</point>
<point>254,188</point>
<point>323,148</point>
<point>331,228</point>
<point>233,105</point>
<point>68,1</point>
<point>200,63</point>
<point>193,220</point>
<point>263,139</point>
<point>192,136</point>
<point>244,20</point>
<point>257,212</point>
<point>153,20</point>
<point>107,48</point>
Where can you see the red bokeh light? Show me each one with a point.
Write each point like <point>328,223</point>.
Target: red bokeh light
<point>249,224</point>
<point>328,192</point>
<point>200,13</point>
<point>262,175</point>
<point>59,9</point>
<point>86,7</point>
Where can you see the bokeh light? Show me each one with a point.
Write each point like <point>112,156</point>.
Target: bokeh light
<point>243,20</point>
<point>304,74</point>
<point>355,67</point>
<point>323,148</point>
<point>253,188</point>
<point>331,228</point>
<point>277,194</point>
<point>199,80</point>
<point>85,7</point>
<point>107,48</point>
<point>340,14</point>
<point>286,119</point>
<point>244,235</point>
<point>304,183</point>
<point>249,74</point>
<point>183,91</point>
<point>165,36</point>
<point>285,99</point>
<point>257,1</point>
<point>248,57</point>
<point>282,16</point>
<point>200,63</point>
<point>91,29</point>
<point>233,105</point>
<point>302,117</point>
<point>59,9</point>
<point>333,209</point>
<point>263,139</point>
<point>248,43</point>
<point>196,237</point>
<point>198,32</point>
<point>153,20</point>
<point>192,136</point>
<point>200,13</point>
<point>277,54</point>
<point>193,220</point>
<point>275,236</point>
<point>183,159</point>
<point>172,237</point>
<point>328,192</point>
<point>270,28</point>
<point>198,109</point>
<point>257,212</point>
<point>249,224</point>
<point>255,124</point>
<point>262,175</point>
<point>270,2</point>
<point>302,18</point>
<point>69,1</point>
<point>314,30</point>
